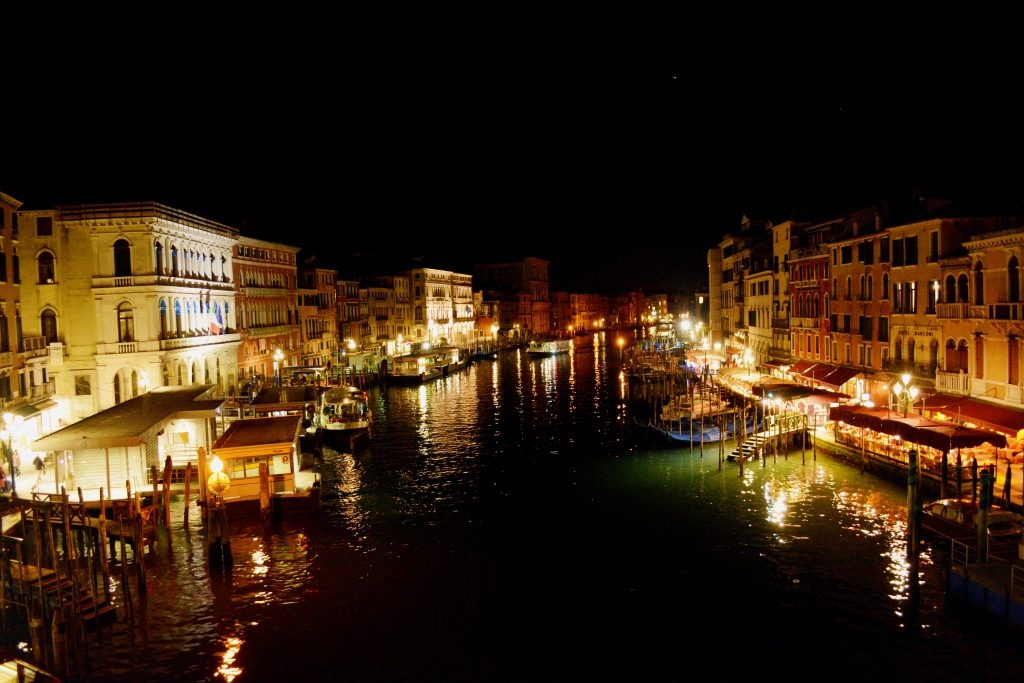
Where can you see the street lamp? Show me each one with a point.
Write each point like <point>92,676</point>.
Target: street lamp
<point>905,393</point>
<point>278,357</point>
<point>5,434</point>
<point>219,481</point>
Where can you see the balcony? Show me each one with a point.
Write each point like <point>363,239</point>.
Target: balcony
<point>958,311</point>
<point>952,382</point>
<point>918,370</point>
<point>41,391</point>
<point>5,359</point>
<point>268,331</point>
<point>163,280</point>
<point>35,347</point>
<point>190,342</point>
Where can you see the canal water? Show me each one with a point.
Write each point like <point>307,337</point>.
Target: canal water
<point>512,523</point>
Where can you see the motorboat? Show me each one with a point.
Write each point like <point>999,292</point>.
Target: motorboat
<point>958,518</point>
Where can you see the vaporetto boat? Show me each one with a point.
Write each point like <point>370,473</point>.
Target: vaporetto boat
<point>549,347</point>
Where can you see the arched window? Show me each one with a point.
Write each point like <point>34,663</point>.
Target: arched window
<point>899,348</point>
<point>135,383</point>
<point>979,357</point>
<point>177,317</point>
<point>174,261</point>
<point>835,288</point>
<point>48,325</point>
<point>122,259</point>
<point>3,265</point>
<point>125,323</point>
<point>181,374</point>
<point>952,360</point>
<point>961,289</point>
<point>910,350</point>
<point>117,390</point>
<point>5,336</point>
<point>979,284</point>
<point>961,352</point>
<point>849,288</point>
<point>870,290</point>
<point>46,271</point>
<point>863,292</point>
<point>1013,273</point>
<point>163,319</point>
<point>159,259</point>
<point>950,290</point>
<point>885,285</point>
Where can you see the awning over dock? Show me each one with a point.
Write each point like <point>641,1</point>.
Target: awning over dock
<point>127,423</point>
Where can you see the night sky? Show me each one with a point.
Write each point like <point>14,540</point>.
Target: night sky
<point>621,175</point>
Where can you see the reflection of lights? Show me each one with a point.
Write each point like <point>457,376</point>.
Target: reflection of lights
<point>227,670</point>
<point>260,559</point>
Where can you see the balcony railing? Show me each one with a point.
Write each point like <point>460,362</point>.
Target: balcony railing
<point>35,347</point>
<point>42,390</point>
<point>952,382</point>
<point>204,340</point>
<point>780,323</point>
<point>128,281</point>
<point>921,370</point>
<point>218,283</point>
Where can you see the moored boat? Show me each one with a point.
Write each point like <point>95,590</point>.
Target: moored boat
<point>958,518</point>
<point>549,347</point>
<point>427,363</point>
<point>344,417</point>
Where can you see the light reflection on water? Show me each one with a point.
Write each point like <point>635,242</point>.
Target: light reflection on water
<point>511,523</point>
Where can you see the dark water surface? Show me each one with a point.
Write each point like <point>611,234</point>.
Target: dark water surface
<point>510,524</point>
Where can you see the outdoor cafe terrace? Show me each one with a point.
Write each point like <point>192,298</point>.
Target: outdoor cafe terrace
<point>948,452</point>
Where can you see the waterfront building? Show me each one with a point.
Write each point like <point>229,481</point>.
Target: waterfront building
<point>561,313</point>
<point>27,389</point>
<point>519,281</point>
<point>129,297</point>
<point>780,350</point>
<point>809,295</point>
<point>265,276</point>
<point>729,264</point>
<point>760,283</point>
<point>981,312</point>
<point>318,292</point>
<point>590,311</point>
<point>390,315</point>
<point>442,304</point>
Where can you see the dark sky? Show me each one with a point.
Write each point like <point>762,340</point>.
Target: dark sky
<point>622,175</point>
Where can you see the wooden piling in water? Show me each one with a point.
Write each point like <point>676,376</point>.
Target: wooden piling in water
<point>167,497</point>
<point>264,493</point>
<point>188,491</point>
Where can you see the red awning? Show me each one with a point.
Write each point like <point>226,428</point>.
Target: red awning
<point>935,401</point>
<point>965,409</point>
<point>801,365</point>
<point>839,376</point>
<point>916,429</point>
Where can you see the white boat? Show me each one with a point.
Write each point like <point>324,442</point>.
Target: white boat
<point>549,347</point>
<point>344,416</point>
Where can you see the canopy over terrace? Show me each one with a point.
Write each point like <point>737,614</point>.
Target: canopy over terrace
<point>1004,419</point>
<point>938,435</point>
